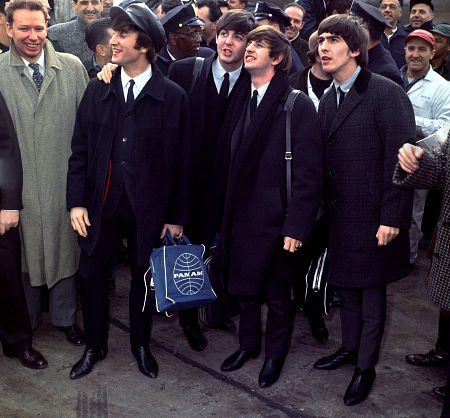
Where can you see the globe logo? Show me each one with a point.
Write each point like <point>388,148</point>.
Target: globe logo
<point>188,274</point>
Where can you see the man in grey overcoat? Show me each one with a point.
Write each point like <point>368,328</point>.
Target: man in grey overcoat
<point>419,169</point>
<point>42,89</point>
<point>369,216</point>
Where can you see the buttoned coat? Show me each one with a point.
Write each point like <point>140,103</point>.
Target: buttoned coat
<point>44,124</point>
<point>434,173</point>
<point>396,45</point>
<point>162,157</point>
<point>257,214</point>
<point>362,140</point>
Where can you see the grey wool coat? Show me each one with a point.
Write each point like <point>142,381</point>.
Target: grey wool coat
<point>362,139</point>
<point>44,123</point>
<point>434,173</point>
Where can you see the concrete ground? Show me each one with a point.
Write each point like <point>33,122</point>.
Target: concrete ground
<point>190,384</point>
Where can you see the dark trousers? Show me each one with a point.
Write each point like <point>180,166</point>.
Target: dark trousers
<point>363,315</point>
<point>443,332</point>
<point>277,295</point>
<point>446,408</point>
<point>117,223</point>
<point>15,327</point>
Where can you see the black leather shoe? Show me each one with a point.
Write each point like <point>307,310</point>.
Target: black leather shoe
<point>440,392</point>
<point>237,360</point>
<point>197,341</point>
<point>435,357</point>
<point>318,328</point>
<point>360,386</point>
<point>339,358</point>
<point>270,372</point>
<point>29,357</point>
<point>146,362</point>
<point>73,334</point>
<point>85,365</point>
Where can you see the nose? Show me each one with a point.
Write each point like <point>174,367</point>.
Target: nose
<point>113,39</point>
<point>32,34</point>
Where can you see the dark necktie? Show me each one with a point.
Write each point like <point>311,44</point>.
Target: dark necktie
<point>253,103</point>
<point>130,94</point>
<point>223,93</point>
<point>37,76</point>
<point>341,97</point>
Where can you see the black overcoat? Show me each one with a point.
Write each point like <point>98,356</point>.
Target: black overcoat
<point>362,139</point>
<point>256,212</point>
<point>10,162</point>
<point>164,61</point>
<point>162,157</point>
<point>382,63</point>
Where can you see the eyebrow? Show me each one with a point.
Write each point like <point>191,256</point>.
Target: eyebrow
<point>329,37</point>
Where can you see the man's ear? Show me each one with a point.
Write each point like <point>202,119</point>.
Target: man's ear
<point>354,54</point>
<point>100,50</point>
<point>277,60</point>
<point>172,38</point>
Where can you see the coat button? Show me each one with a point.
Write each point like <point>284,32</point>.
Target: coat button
<point>333,201</point>
<point>123,163</point>
<point>332,172</point>
<point>331,142</point>
<point>124,139</point>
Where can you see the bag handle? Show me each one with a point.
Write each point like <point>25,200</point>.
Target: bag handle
<point>288,106</point>
<point>168,239</point>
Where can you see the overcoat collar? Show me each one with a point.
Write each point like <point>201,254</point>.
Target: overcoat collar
<point>352,99</point>
<point>52,65</point>
<point>155,87</point>
<point>256,135</point>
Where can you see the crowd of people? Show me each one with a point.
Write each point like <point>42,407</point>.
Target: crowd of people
<point>283,139</point>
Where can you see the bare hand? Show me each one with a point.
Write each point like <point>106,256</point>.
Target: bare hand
<point>386,234</point>
<point>175,230</point>
<point>291,244</point>
<point>409,156</point>
<point>106,73</point>
<point>8,219</point>
<point>80,220</point>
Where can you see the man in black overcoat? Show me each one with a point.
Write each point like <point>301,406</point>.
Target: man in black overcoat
<point>15,326</point>
<point>128,176</point>
<point>220,77</point>
<point>262,226</point>
<point>369,216</point>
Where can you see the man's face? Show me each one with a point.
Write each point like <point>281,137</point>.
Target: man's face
<point>107,4</point>
<point>335,54</point>
<point>418,55</point>
<point>391,11</point>
<point>88,10</point>
<point>442,46</point>
<point>257,60</point>
<point>28,31</point>
<point>236,4</point>
<point>123,51</point>
<point>420,13</point>
<point>107,49</point>
<point>209,30</point>
<point>188,41</point>
<point>297,23</point>
<point>231,47</point>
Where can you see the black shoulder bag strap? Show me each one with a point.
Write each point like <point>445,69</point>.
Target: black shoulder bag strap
<point>288,106</point>
<point>198,65</point>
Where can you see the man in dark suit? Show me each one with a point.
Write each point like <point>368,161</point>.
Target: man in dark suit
<point>15,326</point>
<point>394,37</point>
<point>184,35</point>
<point>369,216</point>
<point>380,60</point>
<point>221,76</point>
<point>134,185</point>
<point>315,12</point>
<point>98,35</point>
<point>262,225</point>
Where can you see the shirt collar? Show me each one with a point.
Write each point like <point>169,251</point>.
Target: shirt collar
<point>140,80</point>
<point>261,92</point>
<point>40,62</point>
<point>170,55</point>
<point>218,72</point>
<point>347,84</point>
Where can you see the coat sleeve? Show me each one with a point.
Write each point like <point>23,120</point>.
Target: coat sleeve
<point>10,162</point>
<point>307,170</point>
<point>431,172</point>
<point>396,203</point>
<point>78,161</point>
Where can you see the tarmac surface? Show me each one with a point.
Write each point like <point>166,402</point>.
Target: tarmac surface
<point>190,384</point>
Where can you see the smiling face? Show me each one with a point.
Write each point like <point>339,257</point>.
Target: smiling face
<point>257,60</point>
<point>420,13</point>
<point>418,56</point>
<point>186,42</point>
<point>88,10</point>
<point>124,52</point>
<point>28,31</point>
<point>336,56</point>
<point>231,49</point>
<point>391,10</point>
<point>297,23</point>
<point>442,46</point>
